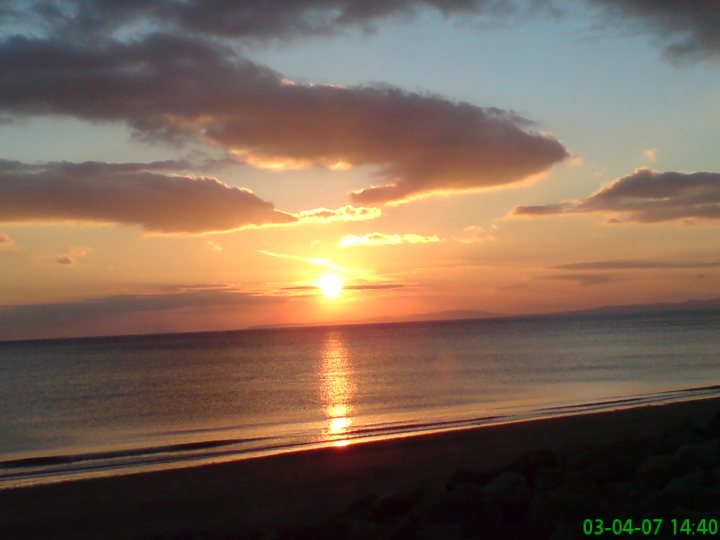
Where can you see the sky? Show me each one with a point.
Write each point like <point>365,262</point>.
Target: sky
<point>210,165</point>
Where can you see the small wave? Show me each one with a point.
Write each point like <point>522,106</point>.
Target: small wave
<point>64,459</point>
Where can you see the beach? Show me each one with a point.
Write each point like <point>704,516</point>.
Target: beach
<point>528,479</point>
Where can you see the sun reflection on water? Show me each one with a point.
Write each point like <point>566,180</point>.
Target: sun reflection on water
<point>337,388</point>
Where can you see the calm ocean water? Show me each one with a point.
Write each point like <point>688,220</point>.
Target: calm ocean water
<point>84,407</point>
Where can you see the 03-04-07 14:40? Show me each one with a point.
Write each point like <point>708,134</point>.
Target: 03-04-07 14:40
<point>650,527</point>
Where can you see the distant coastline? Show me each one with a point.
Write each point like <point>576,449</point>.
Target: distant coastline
<point>438,316</point>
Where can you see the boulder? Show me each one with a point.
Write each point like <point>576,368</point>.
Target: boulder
<point>531,462</point>
<point>701,455</point>
<point>508,488</point>
<point>394,504</point>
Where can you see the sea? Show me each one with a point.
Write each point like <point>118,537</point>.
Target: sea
<point>79,408</point>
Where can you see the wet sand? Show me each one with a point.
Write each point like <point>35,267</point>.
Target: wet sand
<point>485,482</point>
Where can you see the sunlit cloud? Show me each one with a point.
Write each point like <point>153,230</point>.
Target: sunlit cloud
<point>382,239</point>
<point>344,213</point>
<point>475,234</point>
<point>646,196</point>
<point>132,194</point>
<point>417,144</point>
<point>215,246</point>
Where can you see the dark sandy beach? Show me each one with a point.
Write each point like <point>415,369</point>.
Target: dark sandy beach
<point>536,479</point>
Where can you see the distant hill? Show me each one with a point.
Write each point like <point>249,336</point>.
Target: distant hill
<point>687,305</point>
<point>415,317</point>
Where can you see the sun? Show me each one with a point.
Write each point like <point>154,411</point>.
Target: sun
<point>330,285</point>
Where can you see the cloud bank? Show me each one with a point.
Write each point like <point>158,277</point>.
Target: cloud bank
<point>646,196</point>
<point>684,30</point>
<point>171,87</point>
<point>241,19</point>
<point>129,194</point>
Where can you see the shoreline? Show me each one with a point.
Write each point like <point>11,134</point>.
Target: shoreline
<point>65,467</point>
<point>304,489</point>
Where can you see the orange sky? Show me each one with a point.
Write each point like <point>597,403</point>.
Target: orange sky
<point>198,171</point>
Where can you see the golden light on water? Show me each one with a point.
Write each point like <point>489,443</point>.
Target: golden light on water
<point>337,388</point>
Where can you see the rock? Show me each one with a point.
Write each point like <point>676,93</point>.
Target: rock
<point>531,462</point>
<point>451,531</point>
<point>627,493</point>
<point>703,455</point>
<point>566,531</point>
<point>464,507</point>
<point>472,477</point>
<point>394,504</point>
<point>508,488</point>
<point>610,468</point>
<point>689,481</point>
<point>657,470</point>
<point>361,530</point>
<point>712,426</point>
<point>576,498</point>
<point>400,530</point>
<point>547,478</point>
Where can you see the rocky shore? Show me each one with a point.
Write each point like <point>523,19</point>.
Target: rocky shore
<point>657,482</point>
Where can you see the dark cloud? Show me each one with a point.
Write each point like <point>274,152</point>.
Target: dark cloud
<point>634,264</point>
<point>646,196</point>
<point>128,193</point>
<point>65,260</point>
<point>581,279</point>
<point>167,86</point>
<point>685,30</point>
<point>240,19</point>
<point>122,313</point>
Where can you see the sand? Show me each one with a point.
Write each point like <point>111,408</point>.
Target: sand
<point>484,482</point>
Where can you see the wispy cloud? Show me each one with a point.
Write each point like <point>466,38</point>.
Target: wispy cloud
<point>638,264</point>
<point>382,239</point>
<point>474,234</point>
<point>325,263</point>
<point>581,279</point>
<point>344,213</point>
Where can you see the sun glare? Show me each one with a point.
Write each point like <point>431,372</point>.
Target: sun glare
<point>330,285</point>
